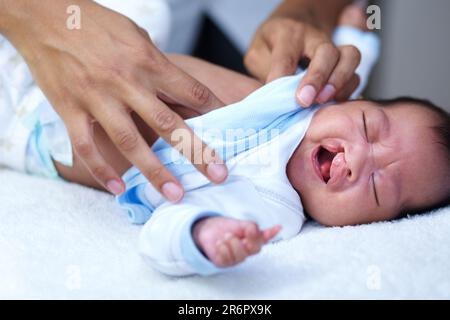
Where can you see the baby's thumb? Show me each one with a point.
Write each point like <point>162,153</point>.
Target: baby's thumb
<point>270,233</point>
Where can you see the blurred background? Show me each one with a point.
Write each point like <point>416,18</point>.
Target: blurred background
<point>415,58</point>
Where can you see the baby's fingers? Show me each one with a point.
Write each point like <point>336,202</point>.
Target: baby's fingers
<point>237,248</point>
<point>230,251</point>
<point>253,239</point>
<point>270,233</point>
<point>224,257</point>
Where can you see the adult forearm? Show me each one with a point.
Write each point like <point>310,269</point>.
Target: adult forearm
<point>323,14</point>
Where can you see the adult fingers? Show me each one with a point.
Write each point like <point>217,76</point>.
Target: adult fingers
<point>80,130</point>
<point>171,127</point>
<point>258,58</point>
<point>320,68</point>
<point>286,53</point>
<point>348,62</point>
<point>124,134</point>
<point>348,89</point>
<point>184,90</point>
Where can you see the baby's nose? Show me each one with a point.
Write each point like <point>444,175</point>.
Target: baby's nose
<point>360,161</point>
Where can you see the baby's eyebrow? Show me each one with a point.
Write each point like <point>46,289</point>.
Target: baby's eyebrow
<point>375,190</point>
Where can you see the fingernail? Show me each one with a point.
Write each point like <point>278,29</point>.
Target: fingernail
<point>172,191</point>
<point>327,92</point>
<point>114,186</point>
<point>307,95</point>
<point>217,171</point>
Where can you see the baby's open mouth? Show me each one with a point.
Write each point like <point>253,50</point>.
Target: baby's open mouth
<point>329,162</point>
<point>324,161</point>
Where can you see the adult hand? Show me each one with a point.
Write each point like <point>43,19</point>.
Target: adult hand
<point>101,73</point>
<point>281,42</point>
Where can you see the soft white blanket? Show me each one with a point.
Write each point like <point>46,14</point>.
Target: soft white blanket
<point>61,240</point>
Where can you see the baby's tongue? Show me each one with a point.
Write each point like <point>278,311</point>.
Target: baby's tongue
<point>325,170</point>
<point>336,163</point>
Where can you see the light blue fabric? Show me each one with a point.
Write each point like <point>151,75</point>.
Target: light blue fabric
<point>272,108</point>
<point>38,158</point>
<point>48,142</point>
<point>133,200</point>
<point>264,114</point>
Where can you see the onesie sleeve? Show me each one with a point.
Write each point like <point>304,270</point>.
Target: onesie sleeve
<point>166,241</point>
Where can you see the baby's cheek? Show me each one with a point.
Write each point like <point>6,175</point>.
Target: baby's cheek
<point>341,209</point>
<point>296,172</point>
<point>332,126</point>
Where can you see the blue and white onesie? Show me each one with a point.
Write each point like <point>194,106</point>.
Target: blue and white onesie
<point>256,137</point>
<point>266,128</point>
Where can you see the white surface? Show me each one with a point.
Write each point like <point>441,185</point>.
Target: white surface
<point>60,240</point>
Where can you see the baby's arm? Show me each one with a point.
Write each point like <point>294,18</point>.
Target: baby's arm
<point>182,239</point>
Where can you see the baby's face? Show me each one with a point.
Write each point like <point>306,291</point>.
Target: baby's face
<point>360,163</point>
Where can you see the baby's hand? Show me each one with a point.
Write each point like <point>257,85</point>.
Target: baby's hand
<point>228,241</point>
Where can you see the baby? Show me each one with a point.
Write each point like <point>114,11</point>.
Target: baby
<point>340,164</point>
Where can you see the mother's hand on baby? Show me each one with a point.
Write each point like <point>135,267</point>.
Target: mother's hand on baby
<point>281,42</point>
<point>101,73</point>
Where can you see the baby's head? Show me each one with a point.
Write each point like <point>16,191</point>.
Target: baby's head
<point>365,161</point>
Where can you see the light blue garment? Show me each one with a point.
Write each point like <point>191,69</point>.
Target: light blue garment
<point>266,113</point>
<point>251,192</point>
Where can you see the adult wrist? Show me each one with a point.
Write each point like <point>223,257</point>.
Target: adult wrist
<point>11,13</point>
<point>24,21</point>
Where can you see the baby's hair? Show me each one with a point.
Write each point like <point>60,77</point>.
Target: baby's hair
<point>442,132</point>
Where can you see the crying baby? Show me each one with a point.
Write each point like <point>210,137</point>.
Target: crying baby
<point>340,164</point>
<point>359,162</point>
